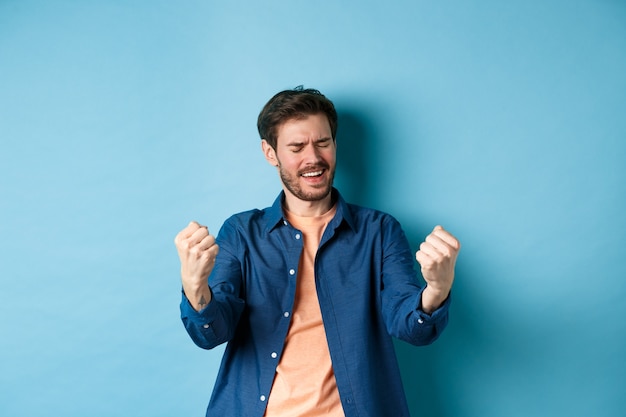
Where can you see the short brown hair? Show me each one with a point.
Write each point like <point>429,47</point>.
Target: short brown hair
<point>297,103</point>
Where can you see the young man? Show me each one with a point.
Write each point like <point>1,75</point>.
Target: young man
<point>309,292</point>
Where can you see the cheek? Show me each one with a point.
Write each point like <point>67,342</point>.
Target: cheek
<point>287,161</point>
<point>330,156</point>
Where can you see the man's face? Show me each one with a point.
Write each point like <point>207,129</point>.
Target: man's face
<point>306,157</point>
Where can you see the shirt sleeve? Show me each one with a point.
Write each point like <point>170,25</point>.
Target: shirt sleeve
<point>402,294</point>
<point>437,320</point>
<point>216,323</point>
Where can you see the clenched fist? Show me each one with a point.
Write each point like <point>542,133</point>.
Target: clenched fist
<point>197,251</point>
<point>437,258</point>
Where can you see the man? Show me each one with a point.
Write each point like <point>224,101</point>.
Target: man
<point>309,292</point>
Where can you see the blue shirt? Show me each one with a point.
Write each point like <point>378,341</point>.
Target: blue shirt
<point>367,290</point>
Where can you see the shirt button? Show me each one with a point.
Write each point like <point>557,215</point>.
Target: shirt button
<point>292,271</point>
<point>262,398</point>
<point>274,355</point>
<point>286,314</point>
<point>420,321</point>
<point>206,326</point>
<point>297,235</point>
<point>285,222</point>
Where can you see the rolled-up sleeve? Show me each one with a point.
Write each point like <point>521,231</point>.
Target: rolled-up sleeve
<point>216,323</point>
<point>402,294</point>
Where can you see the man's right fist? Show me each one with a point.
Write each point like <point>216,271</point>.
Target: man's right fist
<point>197,251</point>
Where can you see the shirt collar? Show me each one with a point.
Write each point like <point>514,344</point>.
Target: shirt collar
<point>275,213</point>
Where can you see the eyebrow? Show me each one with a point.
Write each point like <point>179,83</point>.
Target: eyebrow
<point>301,143</point>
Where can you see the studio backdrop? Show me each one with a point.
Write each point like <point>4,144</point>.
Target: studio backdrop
<point>502,121</point>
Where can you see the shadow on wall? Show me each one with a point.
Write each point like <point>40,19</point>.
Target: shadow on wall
<point>361,162</point>
<point>355,155</point>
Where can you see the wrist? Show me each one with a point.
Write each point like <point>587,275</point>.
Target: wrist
<point>433,298</point>
<point>198,294</point>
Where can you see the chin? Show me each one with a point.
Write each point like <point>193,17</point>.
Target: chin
<point>311,194</point>
<point>319,194</point>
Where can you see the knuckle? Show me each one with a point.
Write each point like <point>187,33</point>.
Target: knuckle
<point>195,250</point>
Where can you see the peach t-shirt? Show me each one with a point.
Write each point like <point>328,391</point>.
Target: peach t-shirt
<point>304,384</point>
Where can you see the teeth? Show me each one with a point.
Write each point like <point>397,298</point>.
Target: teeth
<point>312,174</point>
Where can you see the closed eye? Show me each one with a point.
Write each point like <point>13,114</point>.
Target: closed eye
<point>323,143</point>
<point>296,148</point>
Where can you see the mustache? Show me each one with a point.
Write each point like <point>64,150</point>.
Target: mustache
<point>315,167</point>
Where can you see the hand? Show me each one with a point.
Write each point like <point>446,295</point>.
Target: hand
<point>197,251</point>
<point>437,257</point>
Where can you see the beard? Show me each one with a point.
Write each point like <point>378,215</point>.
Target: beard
<point>317,193</point>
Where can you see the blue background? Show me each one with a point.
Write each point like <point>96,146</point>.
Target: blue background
<point>503,121</point>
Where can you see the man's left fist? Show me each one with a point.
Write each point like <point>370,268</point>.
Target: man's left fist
<point>437,257</point>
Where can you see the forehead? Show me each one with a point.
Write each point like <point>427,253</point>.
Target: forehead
<point>311,127</point>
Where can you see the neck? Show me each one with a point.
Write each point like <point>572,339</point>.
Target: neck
<point>307,208</point>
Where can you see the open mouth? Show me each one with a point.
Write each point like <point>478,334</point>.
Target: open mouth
<point>313,174</point>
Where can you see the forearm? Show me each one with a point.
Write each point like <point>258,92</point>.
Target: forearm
<point>199,295</point>
<point>214,324</point>
<point>200,324</point>
<point>408,320</point>
<point>432,299</point>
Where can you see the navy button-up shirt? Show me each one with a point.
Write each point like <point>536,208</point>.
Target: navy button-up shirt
<point>367,290</point>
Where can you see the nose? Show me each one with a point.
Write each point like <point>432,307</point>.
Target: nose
<point>312,154</point>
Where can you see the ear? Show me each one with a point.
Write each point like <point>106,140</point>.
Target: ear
<point>269,153</point>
